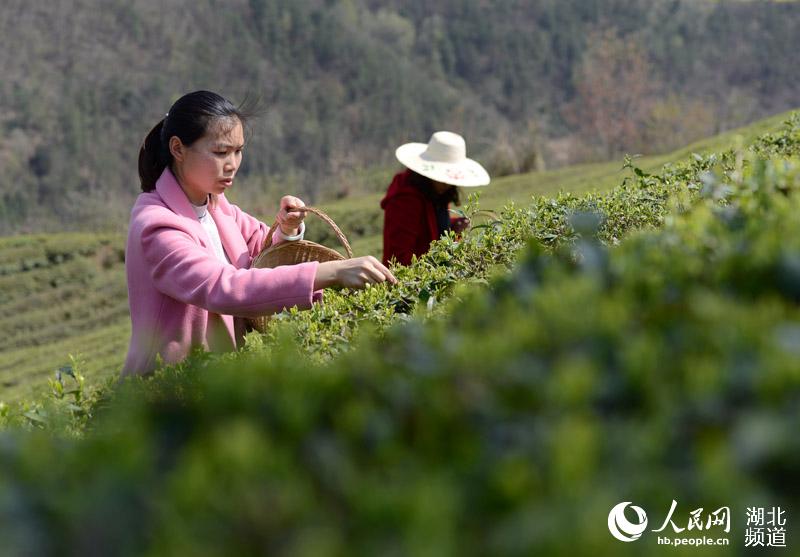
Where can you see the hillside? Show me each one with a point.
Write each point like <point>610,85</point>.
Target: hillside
<point>343,83</point>
<point>66,293</point>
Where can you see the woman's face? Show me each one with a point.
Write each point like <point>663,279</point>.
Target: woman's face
<point>209,165</point>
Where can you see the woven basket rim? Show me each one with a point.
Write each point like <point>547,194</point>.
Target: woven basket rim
<point>304,246</point>
<point>325,218</point>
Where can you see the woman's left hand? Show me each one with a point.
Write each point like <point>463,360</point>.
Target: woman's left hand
<point>291,214</point>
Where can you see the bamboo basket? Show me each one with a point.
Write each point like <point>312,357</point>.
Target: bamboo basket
<point>292,253</point>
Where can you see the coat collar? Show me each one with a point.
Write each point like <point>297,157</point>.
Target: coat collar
<point>173,195</point>
<point>175,198</point>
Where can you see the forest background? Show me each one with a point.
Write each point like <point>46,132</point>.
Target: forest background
<point>530,84</point>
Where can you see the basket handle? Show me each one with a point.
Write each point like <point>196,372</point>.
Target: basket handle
<point>324,217</point>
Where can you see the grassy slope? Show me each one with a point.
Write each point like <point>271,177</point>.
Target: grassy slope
<point>55,305</point>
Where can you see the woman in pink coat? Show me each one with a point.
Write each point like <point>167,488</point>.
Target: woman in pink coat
<point>189,250</point>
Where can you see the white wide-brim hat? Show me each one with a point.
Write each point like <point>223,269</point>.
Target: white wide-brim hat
<point>443,159</point>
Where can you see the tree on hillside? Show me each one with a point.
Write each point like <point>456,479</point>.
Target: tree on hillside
<point>615,91</point>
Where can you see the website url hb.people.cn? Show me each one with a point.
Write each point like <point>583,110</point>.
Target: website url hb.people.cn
<point>665,540</point>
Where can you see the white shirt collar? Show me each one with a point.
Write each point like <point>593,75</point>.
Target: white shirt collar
<point>200,210</point>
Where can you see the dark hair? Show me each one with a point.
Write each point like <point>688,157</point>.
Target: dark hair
<point>189,119</point>
<point>425,184</point>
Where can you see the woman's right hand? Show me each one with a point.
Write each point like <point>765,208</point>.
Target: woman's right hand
<point>352,273</point>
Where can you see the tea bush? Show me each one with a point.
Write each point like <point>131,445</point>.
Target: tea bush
<point>502,419</point>
<point>642,201</point>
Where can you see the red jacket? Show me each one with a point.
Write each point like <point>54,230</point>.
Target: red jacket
<point>409,224</point>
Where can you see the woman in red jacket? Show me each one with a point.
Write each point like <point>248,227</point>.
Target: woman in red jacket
<point>416,206</point>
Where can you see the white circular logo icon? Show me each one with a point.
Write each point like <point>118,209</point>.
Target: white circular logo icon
<point>623,529</point>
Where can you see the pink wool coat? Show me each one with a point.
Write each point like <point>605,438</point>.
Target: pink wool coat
<point>181,296</point>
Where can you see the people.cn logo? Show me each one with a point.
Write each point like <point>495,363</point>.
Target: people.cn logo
<point>622,528</point>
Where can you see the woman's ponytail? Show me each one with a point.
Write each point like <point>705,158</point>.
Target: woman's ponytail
<point>151,158</point>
